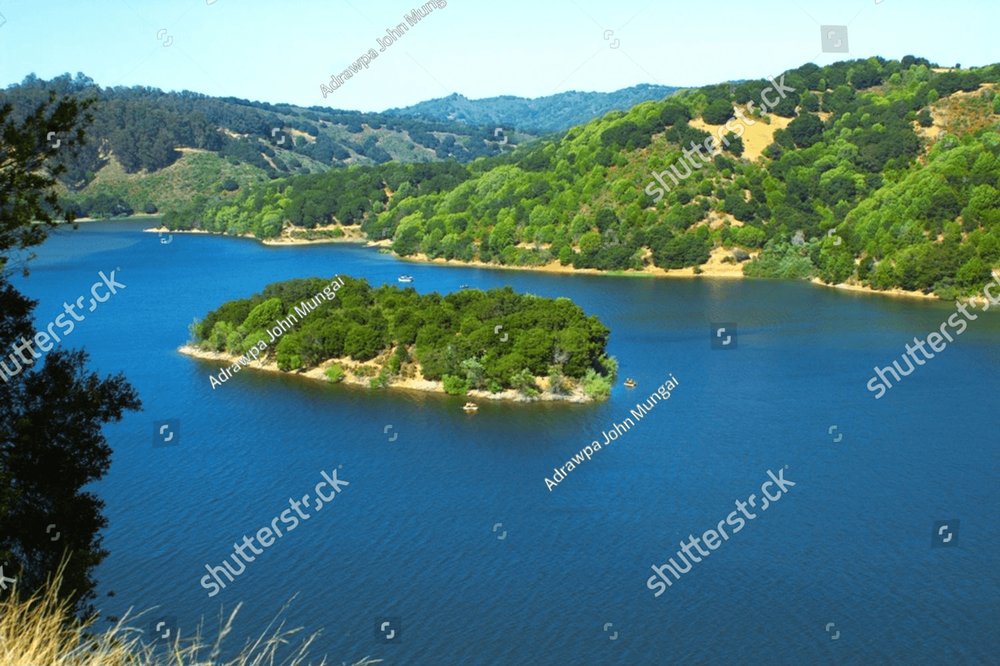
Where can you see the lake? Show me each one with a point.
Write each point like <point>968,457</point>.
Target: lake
<point>447,529</point>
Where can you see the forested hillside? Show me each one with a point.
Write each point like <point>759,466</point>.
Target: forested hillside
<point>554,113</point>
<point>874,172</point>
<point>148,150</point>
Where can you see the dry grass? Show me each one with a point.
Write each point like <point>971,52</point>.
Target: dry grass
<point>42,631</point>
<point>756,137</point>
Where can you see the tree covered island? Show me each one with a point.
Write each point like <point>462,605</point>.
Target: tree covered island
<point>494,344</point>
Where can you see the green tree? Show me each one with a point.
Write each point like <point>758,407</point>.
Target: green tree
<point>51,444</point>
<point>735,144</point>
<point>363,343</point>
<point>718,112</point>
<point>673,113</point>
<point>264,315</point>
<point>455,385</point>
<point>475,373</point>
<point>806,130</point>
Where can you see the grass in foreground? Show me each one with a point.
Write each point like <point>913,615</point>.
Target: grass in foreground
<point>41,630</point>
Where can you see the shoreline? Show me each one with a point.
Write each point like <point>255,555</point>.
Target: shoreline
<point>556,268</point>
<point>270,242</point>
<point>576,396</point>
<point>714,269</point>
<point>893,293</point>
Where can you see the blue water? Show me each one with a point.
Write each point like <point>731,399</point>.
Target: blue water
<point>413,537</point>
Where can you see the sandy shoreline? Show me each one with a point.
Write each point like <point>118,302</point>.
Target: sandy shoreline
<point>410,384</point>
<point>895,292</point>
<point>714,268</point>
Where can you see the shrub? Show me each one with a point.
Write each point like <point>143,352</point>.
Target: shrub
<point>335,373</point>
<point>524,383</point>
<point>364,371</point>
<point>382,381</point>
<point>596,385</point>
<point>610,366</point>
<point>556,384</point>
<point>780,260</point>
<point>455,385</point>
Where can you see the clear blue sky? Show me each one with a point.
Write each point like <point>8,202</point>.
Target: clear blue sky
<point>282,51</point>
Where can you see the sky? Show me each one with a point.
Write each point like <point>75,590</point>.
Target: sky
<point>283,51</point>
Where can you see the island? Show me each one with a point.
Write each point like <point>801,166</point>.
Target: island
<point>495,344</point>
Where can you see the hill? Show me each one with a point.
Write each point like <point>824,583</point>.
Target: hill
<point>878,173</point>
<point>554,113</point>
<point>139,133</point>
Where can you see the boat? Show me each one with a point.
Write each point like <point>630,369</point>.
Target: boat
<point>470,407</point>
<point>629,383</point>
<point>405,278</point>
<point>465,286</point>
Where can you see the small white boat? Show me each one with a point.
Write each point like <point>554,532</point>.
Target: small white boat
<point>470,407</point>
<point>405,278</point>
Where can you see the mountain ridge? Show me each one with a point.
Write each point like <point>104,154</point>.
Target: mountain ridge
<point>555,113</point>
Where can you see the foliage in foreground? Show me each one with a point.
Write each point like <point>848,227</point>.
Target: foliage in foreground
<point>53,408</point>
<point>470,339</point>
<point>43,630</point>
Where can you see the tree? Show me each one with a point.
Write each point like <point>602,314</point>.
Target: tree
<point>735,144</point>
<point>806,130</point>
<point>718,112</point>
<point>625,135</point>
<point>408,235</point>
<point>51,444</point>
<point>809,102</point>
<point>865,74</point>
<point>786,106</point>
<point>673,113</point>
<point>455,385</point>
<point>475,374</point>
<point>363,343</point>
<point>264,316</point>
<point>556,378</point>
<point>590,242</point>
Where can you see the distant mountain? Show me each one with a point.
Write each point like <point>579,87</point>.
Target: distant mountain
<point>554,113</point>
